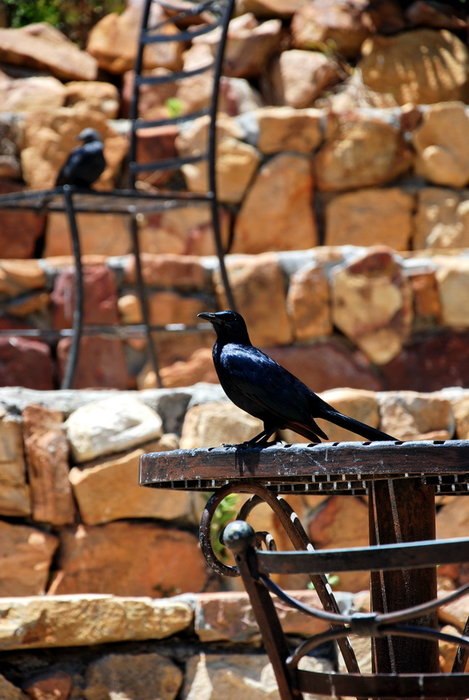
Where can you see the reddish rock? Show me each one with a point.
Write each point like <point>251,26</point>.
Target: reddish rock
<point>184,272</point>
<point>134,559</point>
<point>329,22</point>
<point>298,77</point>
<point>249,45</point>
<point>46,449</point>
<point>153,145</point>
<point>198,368</point>
<point>431,363</point>
<point>101,364</point>
<point>50,686</point>
<point>19,230</point>
<point>327,365</point>
<point>100,297</point>
<point>424,13</point>
<point>360,151</point>
<point>386,16</point>
<point>40,45</point>
<point>25,362</point>
<point>342,522</point>
<point>26,555</point>
<point>372,303</point>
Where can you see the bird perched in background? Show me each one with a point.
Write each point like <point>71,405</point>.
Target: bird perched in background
<point>85,163</point>
<point>266,390</point>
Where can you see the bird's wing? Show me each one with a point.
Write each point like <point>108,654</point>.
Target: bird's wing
<point>253,380</point>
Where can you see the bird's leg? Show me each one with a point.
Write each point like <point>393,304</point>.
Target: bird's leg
<point>262,439</point>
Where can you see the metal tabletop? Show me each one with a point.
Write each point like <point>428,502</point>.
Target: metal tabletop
<point>339,467</point>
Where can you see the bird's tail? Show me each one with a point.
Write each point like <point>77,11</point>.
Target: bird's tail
<point>357,426</point>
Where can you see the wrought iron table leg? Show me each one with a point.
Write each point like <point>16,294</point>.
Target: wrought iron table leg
<point>295,531</point>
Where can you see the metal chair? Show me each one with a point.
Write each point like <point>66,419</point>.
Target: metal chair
<point>256,567</point>
<point>131,202</point>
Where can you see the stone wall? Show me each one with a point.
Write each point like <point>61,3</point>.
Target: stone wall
<point>131,605</point>
<point>315,153</point>
<point>362,317</point>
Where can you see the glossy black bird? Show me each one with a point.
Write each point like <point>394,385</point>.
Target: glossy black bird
<point>85,163</point>
<point>266,390</point>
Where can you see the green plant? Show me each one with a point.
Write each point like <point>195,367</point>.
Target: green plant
<point>73,17</point>
<point>225,512</point>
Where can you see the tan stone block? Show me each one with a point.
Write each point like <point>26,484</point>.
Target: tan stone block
<point>410,415</point>
<point>14,491</point>
<point>47,458</point>
<point>49,136</point>
<point>29,305</point>
<point>308,302</point>
<point>442,144</point>
<point>288,129</point>
<point>357,403</point>
<point>97,94</point>
<point>164,308</point>
<point>277,213</point>
<point>236,161</point>
<point>109,490</point>
<point>41,46</point>
<point>461,415</point>
<point>298,77</point>
<point>26,555</point>
<point>452,520</point>
<point>216,422</point>
<point>370,217</point>
<point>100,234</point>
<point>186,231</point>
<point>69,621</point>
<point>372,303</point>
<point>455,613</point>
<point>134,559</point>
<point>453,283</point>
<point>258,286</point>
<point>113,42</point>
<point>132,676</point>
<point>229,617</point>
<point>360,151</point>
<point>231,676</point>
<point>427,305</point>
<point>442,219</point>
<point>113,424</point>
<point>342,522</point>
<point>18,276</point>
<point>394,64</point>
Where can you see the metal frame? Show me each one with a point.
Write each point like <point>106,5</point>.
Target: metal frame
<point>130,202</point>
<point>400,480</point>
<point>256,567</point>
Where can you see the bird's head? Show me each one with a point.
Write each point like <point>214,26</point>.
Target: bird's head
<point>88,135</point>
<point>229,326</point>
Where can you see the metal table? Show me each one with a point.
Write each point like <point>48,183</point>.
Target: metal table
<point>401,480</point>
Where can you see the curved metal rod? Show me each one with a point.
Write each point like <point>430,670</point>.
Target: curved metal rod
<point>296,534</point>
<point>212,146</point>
<point>392,630</point>
<point>143,298</point>
<point>462,653</point>
<point>77,326</point>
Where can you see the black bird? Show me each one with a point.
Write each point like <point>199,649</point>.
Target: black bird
<point>266,390</point>
<point>85,163</point>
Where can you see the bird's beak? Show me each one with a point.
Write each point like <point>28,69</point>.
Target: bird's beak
<point>207,316</point>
